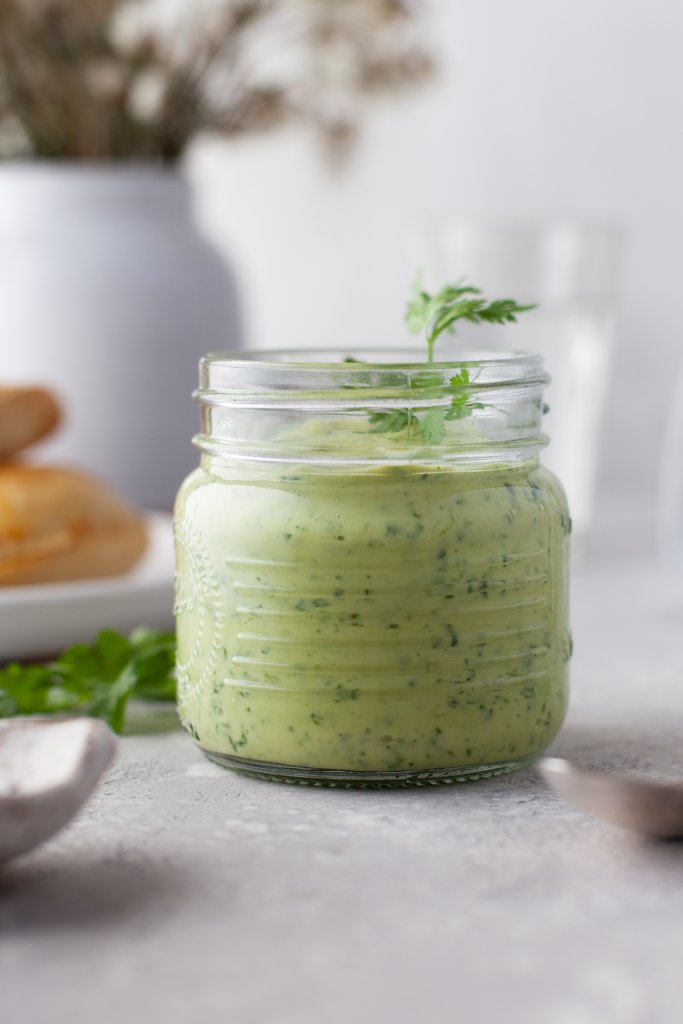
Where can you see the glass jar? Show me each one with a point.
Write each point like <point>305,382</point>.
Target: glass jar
<point>371,568</point>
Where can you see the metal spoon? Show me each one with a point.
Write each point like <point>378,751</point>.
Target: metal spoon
<point>642,805</point>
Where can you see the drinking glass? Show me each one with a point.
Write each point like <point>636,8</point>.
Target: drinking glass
<point>670,496</point>
<point>570,271</point>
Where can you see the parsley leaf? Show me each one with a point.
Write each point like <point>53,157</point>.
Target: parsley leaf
<point>96,679</point>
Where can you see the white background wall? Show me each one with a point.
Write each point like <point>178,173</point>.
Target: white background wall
<point>569,107</point>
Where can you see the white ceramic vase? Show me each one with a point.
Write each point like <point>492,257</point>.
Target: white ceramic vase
<point>109,295</point>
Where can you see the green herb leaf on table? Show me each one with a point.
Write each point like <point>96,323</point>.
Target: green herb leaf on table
<point>96,680</point>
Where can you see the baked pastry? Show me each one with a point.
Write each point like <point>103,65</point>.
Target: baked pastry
<point>26,416</point>
<point>59,524</point>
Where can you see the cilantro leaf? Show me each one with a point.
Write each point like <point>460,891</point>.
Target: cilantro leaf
<point>432,426</point>
<point>431,315</point>
<point>96,679</point>
<point>434,314</point>
<point>391,422</point>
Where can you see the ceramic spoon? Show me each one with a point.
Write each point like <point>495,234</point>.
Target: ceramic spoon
<point>47,771</point>
<point>642,805</point>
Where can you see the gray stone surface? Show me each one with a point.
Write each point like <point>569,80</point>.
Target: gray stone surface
<point>185,892</point>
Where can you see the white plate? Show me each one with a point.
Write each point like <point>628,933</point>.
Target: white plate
<point>41,620</point>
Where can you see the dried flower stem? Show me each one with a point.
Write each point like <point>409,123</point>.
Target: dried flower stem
<point>117,80</point>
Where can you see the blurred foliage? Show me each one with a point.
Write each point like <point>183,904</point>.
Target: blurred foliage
<point>137,79</point>
<point>96,680</point>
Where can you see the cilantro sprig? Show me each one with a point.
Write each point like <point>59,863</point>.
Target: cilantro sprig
<point>96,680</point>
<point>432,315</point>
<point>430,427</point>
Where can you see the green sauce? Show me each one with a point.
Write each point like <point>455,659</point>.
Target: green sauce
<point>364,619</point>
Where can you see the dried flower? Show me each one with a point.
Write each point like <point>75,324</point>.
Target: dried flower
<point>121,79</point>
<point>105,80</point>
<point>147,96</point>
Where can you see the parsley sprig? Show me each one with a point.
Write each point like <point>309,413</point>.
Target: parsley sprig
<point>96,680</point>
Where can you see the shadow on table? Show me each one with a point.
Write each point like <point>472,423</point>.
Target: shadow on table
<point>56,891</point>
<point>650,746</point>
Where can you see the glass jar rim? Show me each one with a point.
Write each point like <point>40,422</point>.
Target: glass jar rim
<point>274,371</point>
<point>480,406</point>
